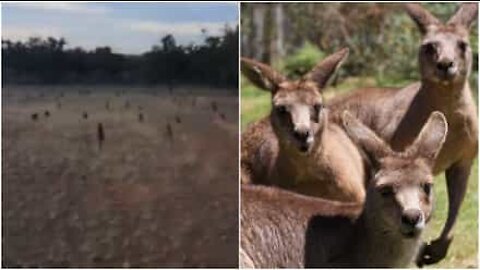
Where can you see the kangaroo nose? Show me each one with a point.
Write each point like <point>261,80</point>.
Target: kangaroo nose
<point>444,66</point>
<point>301,135</point>
<point>412,217</point>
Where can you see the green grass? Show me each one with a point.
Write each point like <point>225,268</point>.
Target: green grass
<point>254,104</point>
<point>463,251</point>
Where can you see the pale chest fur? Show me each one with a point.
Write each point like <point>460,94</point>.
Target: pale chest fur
<point>461,142</point>
<point>403,124</point>
<point>333,170</point>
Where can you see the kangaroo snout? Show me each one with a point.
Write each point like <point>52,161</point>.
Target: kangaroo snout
<point>301,134</point>
<point>447,68</point>
<point>413,222</point>
<point>304,137</point>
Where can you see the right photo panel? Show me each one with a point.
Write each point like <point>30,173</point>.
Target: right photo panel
<point>359,135</point>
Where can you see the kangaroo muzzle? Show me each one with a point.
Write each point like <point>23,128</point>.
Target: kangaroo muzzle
<point>304,139</point>
<point>302,133</point>
<point>446,69</point>
<point>412,222</point>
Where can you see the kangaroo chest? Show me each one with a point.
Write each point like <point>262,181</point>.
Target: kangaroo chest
<point>461,141</point>
<point>388,254</point>
<point>301,172</point>
<point>384,250</point>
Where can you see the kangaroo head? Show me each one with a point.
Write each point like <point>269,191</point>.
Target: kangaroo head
<point>445,55</point>
<point>298,113</point>
<point>400,195</point>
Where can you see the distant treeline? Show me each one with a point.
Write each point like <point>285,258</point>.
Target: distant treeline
<point>47,61</point>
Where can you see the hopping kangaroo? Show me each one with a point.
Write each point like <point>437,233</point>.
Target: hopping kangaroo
<point>295,147</point>
<point>445,59</point>
<point>284,229</point>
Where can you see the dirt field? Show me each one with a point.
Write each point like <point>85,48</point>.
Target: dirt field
<point>159,191</point>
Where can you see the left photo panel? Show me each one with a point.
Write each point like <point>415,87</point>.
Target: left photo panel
<point>120,134</point>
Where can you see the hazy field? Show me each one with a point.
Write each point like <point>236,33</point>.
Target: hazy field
<point>144,198</point>
<point>464,249</point>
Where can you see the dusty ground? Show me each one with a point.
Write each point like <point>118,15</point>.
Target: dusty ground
<point>142,199</point>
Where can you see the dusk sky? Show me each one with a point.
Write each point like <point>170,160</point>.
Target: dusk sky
<point>125,27</point>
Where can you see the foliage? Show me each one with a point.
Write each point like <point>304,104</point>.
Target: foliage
<point>46,61</point>
<point>303,60</point>
<point>383,40</point>
<point>255,103</point>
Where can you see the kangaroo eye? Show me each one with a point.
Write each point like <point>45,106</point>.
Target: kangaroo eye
<point>463,45</point>
<point>387,191</point>
<point>318,107</point>
<point>282,109</point>
<point>427,188</point>
<point>429,48</point>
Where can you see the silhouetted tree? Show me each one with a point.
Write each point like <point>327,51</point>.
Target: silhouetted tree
<point>47,61</point>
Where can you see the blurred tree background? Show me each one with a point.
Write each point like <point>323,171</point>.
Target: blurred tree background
<point>47,61</point>
<point>383,40</point>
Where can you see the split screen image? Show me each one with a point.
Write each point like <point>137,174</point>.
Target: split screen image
<point>239,135</point>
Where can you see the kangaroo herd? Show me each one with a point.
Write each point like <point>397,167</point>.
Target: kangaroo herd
<point>348,182</point>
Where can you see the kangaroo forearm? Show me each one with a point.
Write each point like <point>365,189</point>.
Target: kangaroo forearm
<point>457,182</point>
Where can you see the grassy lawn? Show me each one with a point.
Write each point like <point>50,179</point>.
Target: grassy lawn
<point>463,251</point>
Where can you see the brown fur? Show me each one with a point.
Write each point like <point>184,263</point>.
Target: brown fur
<point>397,115</point>
<point>329,166</point>
<point>282,229</point>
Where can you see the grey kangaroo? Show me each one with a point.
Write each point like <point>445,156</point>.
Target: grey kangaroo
<point>296,147</point>
<point>397,115</point>
<point>280,228</point>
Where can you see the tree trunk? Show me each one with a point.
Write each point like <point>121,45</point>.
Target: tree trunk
<point>258,13</point>
<point>279,23</point>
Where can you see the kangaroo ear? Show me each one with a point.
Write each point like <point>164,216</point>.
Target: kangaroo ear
<point>261,75</point>
<point>430,140</point>
<point>422,17</point>
<point>465,15</point>
<point>364,137</point>
<point>324,70</point>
